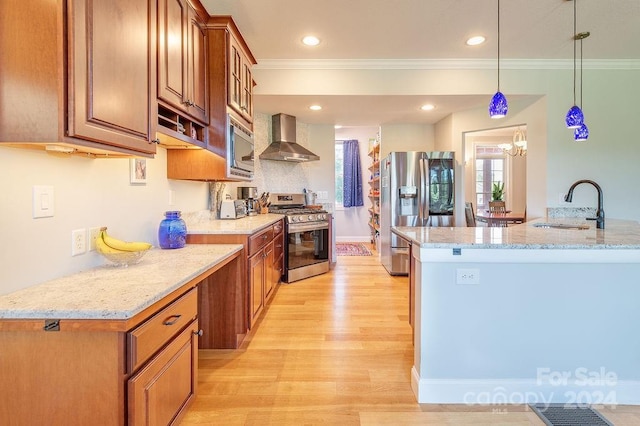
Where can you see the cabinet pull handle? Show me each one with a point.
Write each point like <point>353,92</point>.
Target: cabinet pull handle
<point>156,141</point>
<point>172,319</point>
<point>264,237</point>
<point>198,333</point>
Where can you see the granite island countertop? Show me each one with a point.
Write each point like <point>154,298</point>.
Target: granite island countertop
<point>203,223</point>
<point>618,234</point>
<point>113,292</point>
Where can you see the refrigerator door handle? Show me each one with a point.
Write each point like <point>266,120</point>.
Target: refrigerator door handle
<point>424,195</point>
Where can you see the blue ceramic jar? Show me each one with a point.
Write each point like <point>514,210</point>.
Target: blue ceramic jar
<point>172,233</point>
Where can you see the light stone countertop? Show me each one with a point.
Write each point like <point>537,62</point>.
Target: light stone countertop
<point>202,223</point>
<point>618,234</point>
<point>113,292</point>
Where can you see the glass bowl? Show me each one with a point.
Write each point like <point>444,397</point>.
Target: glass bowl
<point>125,258</point>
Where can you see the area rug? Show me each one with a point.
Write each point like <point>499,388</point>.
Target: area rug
<point>352,249</point>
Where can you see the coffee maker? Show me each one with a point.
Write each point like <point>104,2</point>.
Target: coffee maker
<point>250,196</point>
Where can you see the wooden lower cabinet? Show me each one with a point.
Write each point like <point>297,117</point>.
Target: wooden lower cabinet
<point>95,372</point>
<point>262,280</point>
<point>263,251</point>
<point>161,391</point>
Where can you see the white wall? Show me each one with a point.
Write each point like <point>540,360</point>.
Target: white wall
<point>88,193</point>
<point>96,192</point>
<point>406,137</point>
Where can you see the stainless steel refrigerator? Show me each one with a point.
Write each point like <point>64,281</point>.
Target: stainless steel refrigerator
<point>416,189</point>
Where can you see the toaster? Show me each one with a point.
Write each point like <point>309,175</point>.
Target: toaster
<point>232,209</point>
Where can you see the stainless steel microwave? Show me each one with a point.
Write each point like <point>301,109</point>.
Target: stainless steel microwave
<point>240,156</point>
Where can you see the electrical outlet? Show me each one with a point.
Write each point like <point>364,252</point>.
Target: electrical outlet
<point>78,242</point>
<point>323,195</point>
<point>93,234</point>
<point>467,276</point>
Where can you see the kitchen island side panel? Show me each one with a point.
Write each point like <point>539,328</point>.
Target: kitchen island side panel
<point>523,326</point>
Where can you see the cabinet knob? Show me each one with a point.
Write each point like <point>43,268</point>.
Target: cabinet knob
<point>198,333</point>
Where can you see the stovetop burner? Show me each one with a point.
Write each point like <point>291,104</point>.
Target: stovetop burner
<point>292,206</point>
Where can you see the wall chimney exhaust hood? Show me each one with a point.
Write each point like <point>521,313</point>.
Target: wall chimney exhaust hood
<point>284,146</point>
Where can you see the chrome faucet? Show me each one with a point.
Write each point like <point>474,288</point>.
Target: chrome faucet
<point>599,211</point>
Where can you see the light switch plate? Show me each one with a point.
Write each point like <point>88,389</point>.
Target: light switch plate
<point>43,201</point>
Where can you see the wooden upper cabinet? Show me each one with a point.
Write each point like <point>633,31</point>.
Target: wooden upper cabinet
<point>78,74</point>
<point>231,71</point>
<point>182,59</point>
<point>110,73</point>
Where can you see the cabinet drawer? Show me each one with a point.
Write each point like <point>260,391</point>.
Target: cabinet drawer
<point>259,240</point>
<point>150,336</point>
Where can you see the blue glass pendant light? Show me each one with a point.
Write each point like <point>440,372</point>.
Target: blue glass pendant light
<point>498,106</point>
<point>581,134</point>
<point>575,117</point>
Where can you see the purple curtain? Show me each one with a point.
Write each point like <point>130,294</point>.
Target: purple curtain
<point>352,175</point>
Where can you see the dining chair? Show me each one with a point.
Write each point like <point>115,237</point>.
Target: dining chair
<point>497,207</point>
<point>469,214</point>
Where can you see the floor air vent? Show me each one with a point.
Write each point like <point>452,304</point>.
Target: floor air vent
<point>569,415</point>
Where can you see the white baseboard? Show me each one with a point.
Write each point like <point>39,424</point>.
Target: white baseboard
<point>522,391</point>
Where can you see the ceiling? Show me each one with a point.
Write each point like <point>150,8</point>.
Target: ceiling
<point>383,30</point>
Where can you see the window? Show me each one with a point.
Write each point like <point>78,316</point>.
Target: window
<point>339,156</point>
<point>489,169</point>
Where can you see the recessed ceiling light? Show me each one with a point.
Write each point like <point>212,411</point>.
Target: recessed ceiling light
<point>337,126</point>
<point>315,107</point>
<point>475,40</point>
<point>428,107</point>
<point>311,40</point>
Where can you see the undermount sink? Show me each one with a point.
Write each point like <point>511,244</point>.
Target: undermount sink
<point>560,226</point>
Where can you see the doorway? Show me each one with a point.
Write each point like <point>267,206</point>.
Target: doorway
<point>496,157</point>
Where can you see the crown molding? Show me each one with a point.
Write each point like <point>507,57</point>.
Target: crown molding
<point>443,64</point>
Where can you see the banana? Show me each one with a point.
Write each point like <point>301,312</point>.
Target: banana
<point>101,247</point>
<point>120,245</point>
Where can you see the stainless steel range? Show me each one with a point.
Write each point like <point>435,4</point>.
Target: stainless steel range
<point>308,239</point>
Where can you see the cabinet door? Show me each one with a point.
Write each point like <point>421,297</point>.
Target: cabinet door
<point>197,102</point>
<point>270,279</point>
<point>172,52</point>
<point>256,285</point>
<point>161,391</point>
<point>247,91</point>
<point>235,91</point>
<point>111,72</point>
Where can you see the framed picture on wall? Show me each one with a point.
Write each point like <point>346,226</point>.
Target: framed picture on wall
<point>138,170</point>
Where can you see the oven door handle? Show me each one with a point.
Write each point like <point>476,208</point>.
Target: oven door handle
<point>302,227</point>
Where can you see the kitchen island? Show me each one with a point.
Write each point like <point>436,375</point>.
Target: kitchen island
<point>527,314</point>
<point>114,345</point>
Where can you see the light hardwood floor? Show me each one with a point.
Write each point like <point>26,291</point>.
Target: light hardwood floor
<point>335,350</point>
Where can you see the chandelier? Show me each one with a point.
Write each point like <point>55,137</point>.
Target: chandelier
<point>519,146</point>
